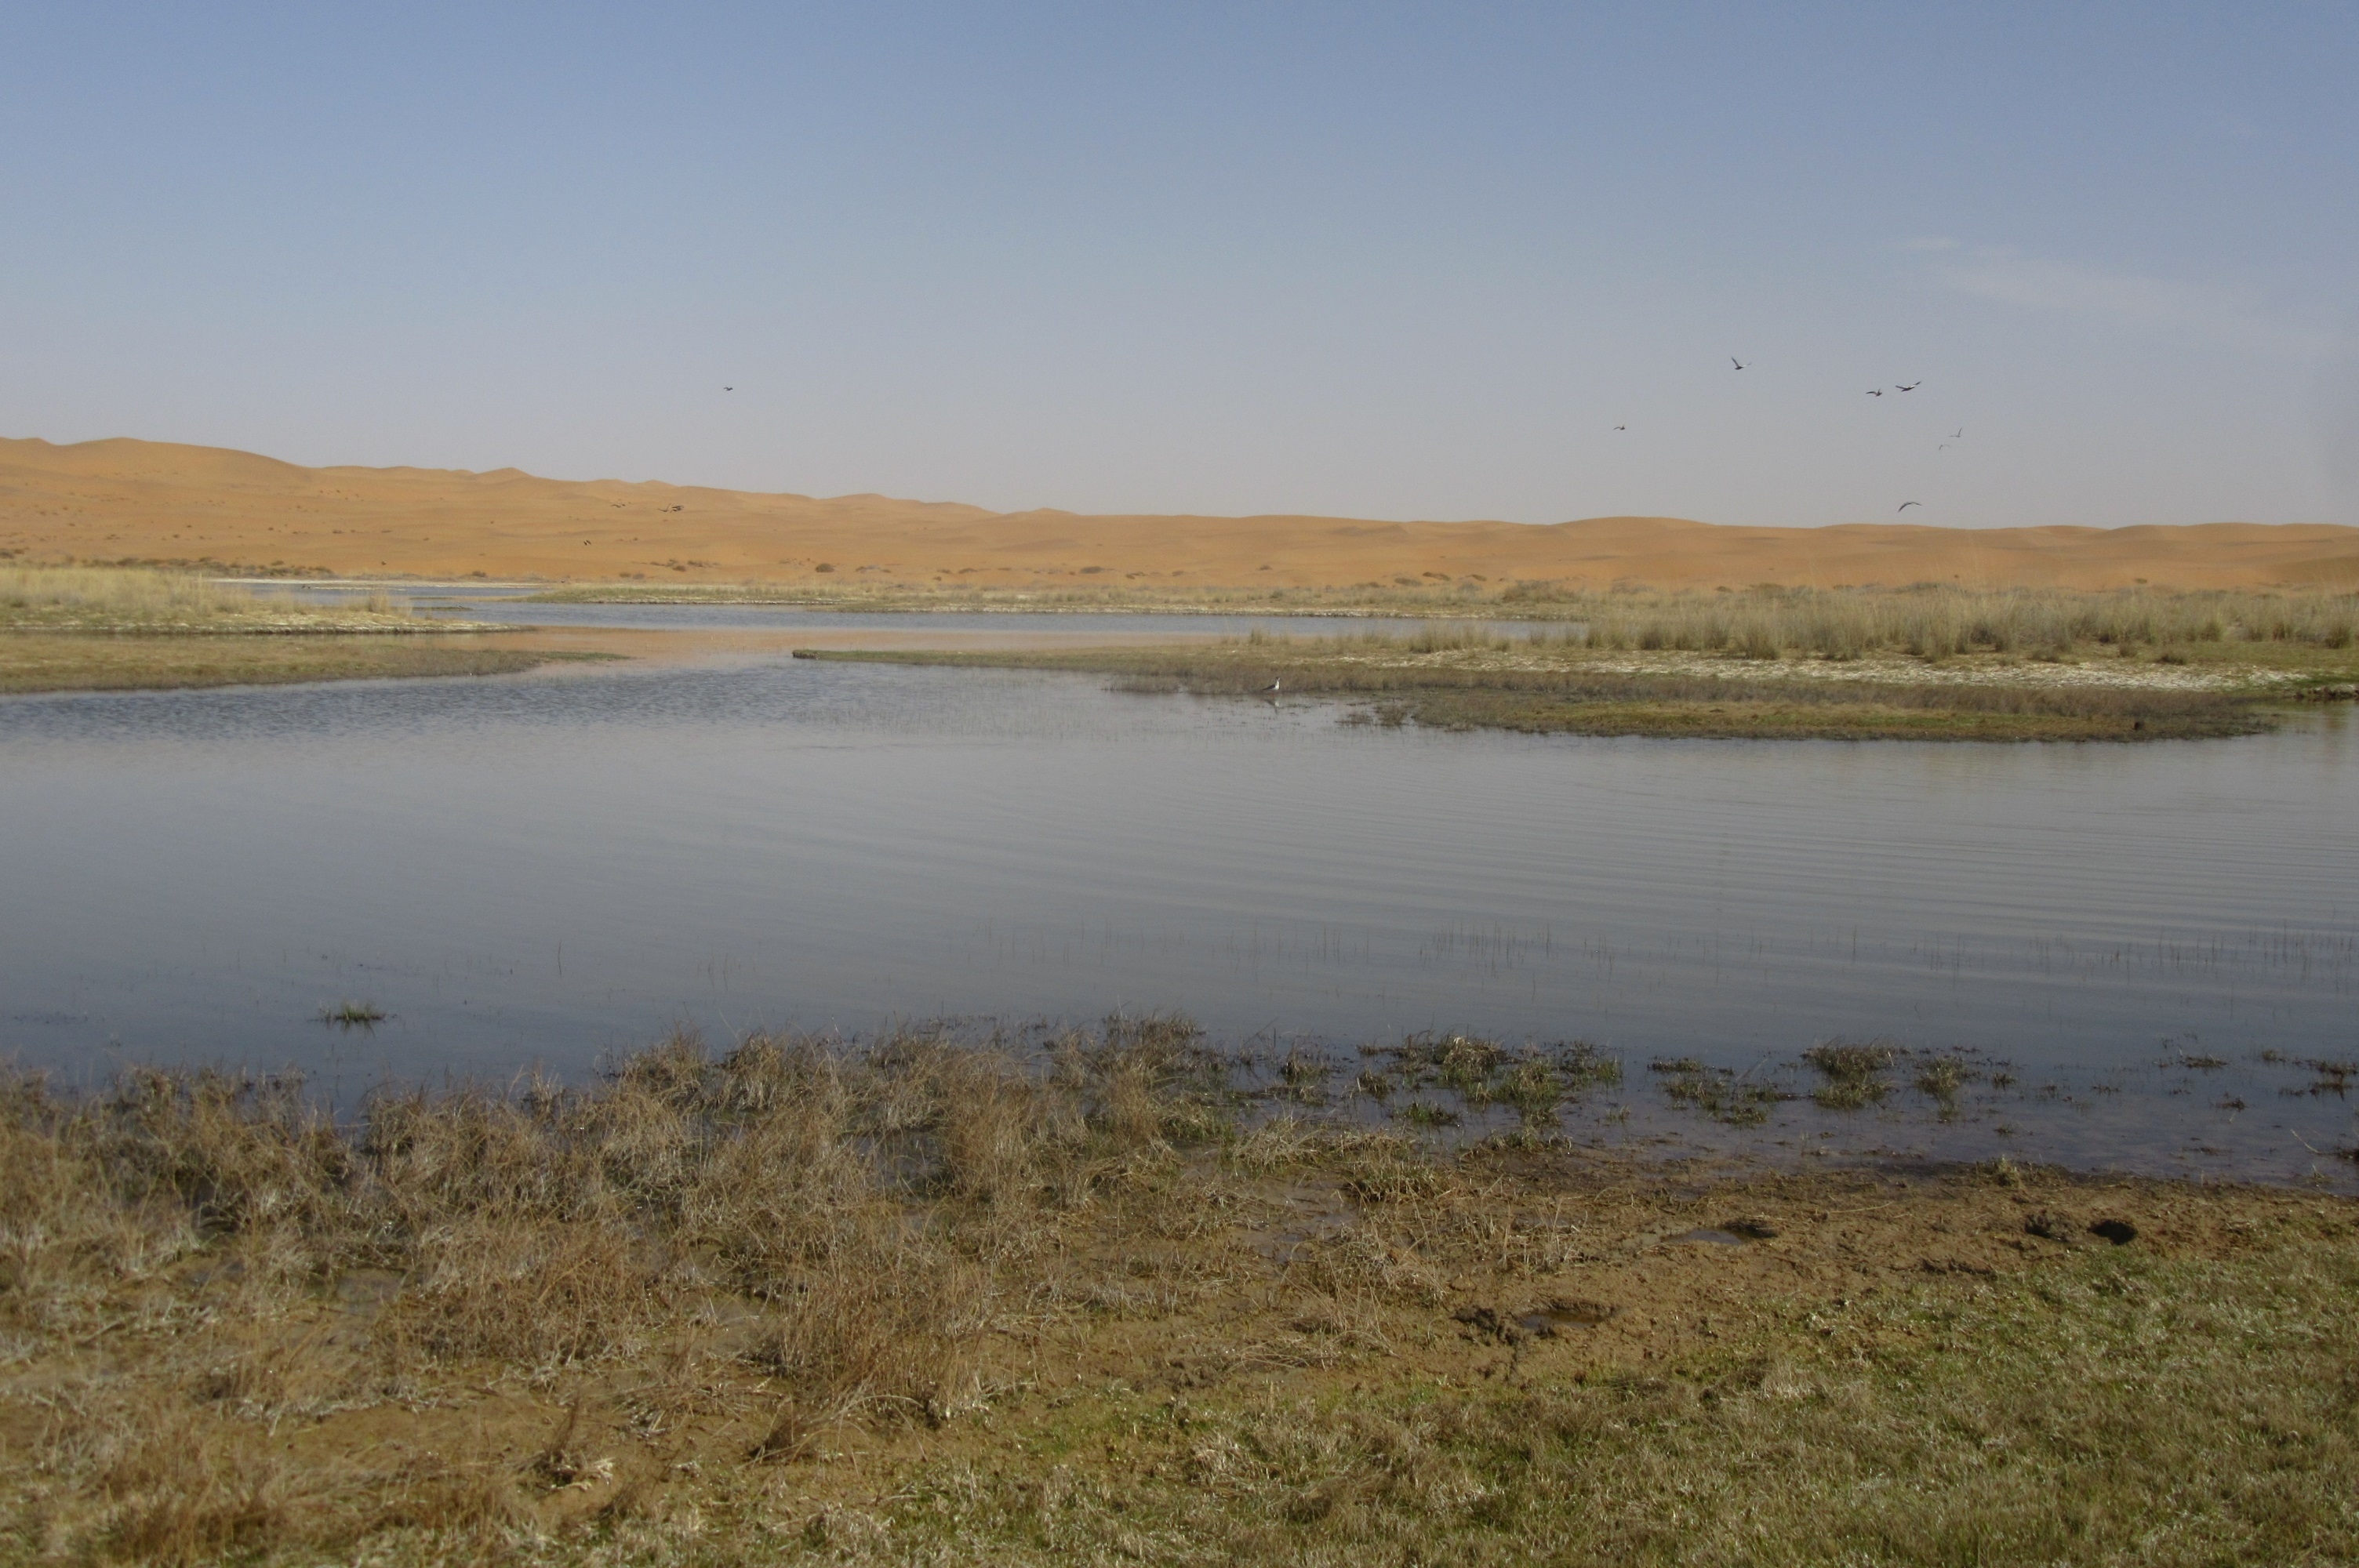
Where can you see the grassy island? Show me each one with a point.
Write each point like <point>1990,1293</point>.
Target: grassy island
<point>1929,664</point>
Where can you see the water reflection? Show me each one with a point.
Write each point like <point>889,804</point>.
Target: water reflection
<point>541,870</point>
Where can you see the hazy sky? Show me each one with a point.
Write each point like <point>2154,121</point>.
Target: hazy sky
<point>1384,261</point>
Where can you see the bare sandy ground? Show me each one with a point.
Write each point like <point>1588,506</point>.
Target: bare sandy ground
<point>128,500</point>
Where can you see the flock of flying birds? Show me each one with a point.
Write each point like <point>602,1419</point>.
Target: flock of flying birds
<point>1958,435</point>
<point>1955,435</point>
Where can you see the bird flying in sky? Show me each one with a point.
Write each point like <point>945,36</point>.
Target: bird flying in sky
<point>1910,387</point>
<point>1906,505</point>
<point>1876,392</point>
<point>1737,362</point>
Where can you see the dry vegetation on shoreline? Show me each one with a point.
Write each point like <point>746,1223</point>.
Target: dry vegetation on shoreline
<point>92,629</point>
<point>1796,663</point>
<point>129,601</point>
<point>1928,661</point>
<point>934,1301</point>
<point>1934,664</point>
<point>1935,622</point>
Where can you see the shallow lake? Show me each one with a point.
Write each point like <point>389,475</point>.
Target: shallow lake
<point>2133,949</point>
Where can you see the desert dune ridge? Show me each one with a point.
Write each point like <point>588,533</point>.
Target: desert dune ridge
<point>236,513</point>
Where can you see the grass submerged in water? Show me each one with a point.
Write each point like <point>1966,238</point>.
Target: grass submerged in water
<point>1853,1073</point>
<point>931,1300</point>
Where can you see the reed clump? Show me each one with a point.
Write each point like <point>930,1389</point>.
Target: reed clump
<point>29,592</point>
<point>139,599</point>
<point>1940,623</point>
<point>1928,621</point>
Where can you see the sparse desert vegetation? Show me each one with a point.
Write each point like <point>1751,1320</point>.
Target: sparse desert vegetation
<point>942,1299</point>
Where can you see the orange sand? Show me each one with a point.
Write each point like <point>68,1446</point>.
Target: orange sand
<point>126,500</point>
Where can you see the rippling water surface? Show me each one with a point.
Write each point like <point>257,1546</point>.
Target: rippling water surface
<point>546,868</point>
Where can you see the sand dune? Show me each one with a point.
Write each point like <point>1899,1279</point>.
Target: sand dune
<point>128,500</point>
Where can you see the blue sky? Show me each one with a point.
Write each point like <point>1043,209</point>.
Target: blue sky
<point>1382,261</point>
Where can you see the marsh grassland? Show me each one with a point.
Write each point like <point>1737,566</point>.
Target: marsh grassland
<point>1918,665</point>
<point>95,629</point>
<point>1764,619</point>
<point>937,1300</point>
